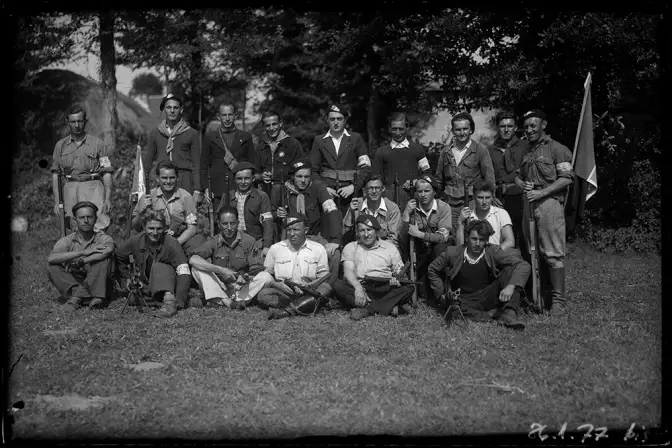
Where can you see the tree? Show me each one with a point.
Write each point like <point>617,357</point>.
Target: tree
<point>108,79</point>
<point>147,84</point>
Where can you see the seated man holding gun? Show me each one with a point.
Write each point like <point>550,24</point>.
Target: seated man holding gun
<point>233,256</point>
<point>372,268</point>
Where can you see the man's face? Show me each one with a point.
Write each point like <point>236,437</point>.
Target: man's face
<point>336,121</point>
<point>296,233</point>
<point>476,243</point>
<point>302,178</point>
<point>273,126</point>
<point>507,128</point>
<point>244,180</point>
<point>167,180</point>
<point>229,224</point>
<point>77,123</point>
<point>86,219</point>
<point>462,130</point>
<point>173,110</point>
<point>534,129</point>
<point>227,116</point>
<point>374,190</point>
<point>367,235</point>
<point>424,192</point>
<point>398,131</point>
<point>483,200</point>
<point>154,231</point>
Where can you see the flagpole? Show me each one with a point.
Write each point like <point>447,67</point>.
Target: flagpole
<point>586,85</point>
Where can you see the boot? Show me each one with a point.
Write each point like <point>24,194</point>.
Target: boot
<point>558,301</point>
<point>509,319</point>
<point>71,305</point>
<point>169,308</point>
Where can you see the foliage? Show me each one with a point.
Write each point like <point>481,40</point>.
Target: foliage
<point>147,84</point>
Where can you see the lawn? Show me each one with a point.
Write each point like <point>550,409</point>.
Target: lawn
<point>233,374</point>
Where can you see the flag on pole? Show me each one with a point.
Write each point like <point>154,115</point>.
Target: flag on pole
<point>139,188</point>
<point>583,163</point>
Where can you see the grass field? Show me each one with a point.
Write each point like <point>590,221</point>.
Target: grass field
<point>233,374</point>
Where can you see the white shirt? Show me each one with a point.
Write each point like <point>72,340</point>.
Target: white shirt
<point>498,218</point>
<point>337,141</point>
<point>310,261</point>
<point>470,260</point>
<point>459,154</point>
<point>395,144</point>
<point>382,207</point>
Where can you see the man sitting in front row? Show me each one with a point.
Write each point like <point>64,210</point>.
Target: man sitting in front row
<point>161,261</point>
<point>232,254</point>
<point>298,259</point>
<point>374,258</point>
<point>489,279</point>
<point>80,262</point>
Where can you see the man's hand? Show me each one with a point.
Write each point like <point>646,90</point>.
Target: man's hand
<point>506,293</point>
<point>527,186</point>
<point>464,214</point>
<point>107,206</point>
<point>147,202</point>
<point>227,275</point>
<point>407,185</point>
<point>332,192</point>
<point>534,195</point>
<point>361,299</point>
<point>331,248</point>
<point>97,249</point>
<point>266,176</point>
<point>207,197</point>
<point>356,203</point>
<point>394,282</point>
<point>198,197</point>
<point>264,252</point>
<point>281,213</point>
<point>413,230</point>
<point>346,192</point>
<point>282,286</point>
<point>57,210</point>
<point>410,206</point>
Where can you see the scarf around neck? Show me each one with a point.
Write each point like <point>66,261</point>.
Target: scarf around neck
<point>274,144</point>
<point>179,128</point>
<point>300,197</point>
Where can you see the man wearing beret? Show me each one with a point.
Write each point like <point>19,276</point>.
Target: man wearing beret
<point>298,259</point>
<point>79,264</point>
<point>223,265</point>
<point>400,159</point>
<point>276,154</point>
<point>337,155</point>
<point>254,207</point>
<point>307,196</point>
<point>222,150</point>
<point>489,279</point>
<point>84,162</point>
<point>428,220</point>
<point>544,176</point>
<point>162,264</point>
<point>176,203</point>
<point>371,257</point>
<point>464,160</point>
<point>174,140</point>
<point>507,154</point>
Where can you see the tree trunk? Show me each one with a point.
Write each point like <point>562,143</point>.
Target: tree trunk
<point>196,63</point>
<point>108,80</point>
<point>372,129</point>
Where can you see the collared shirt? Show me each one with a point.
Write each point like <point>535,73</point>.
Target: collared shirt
<point>240,205</point>
<point>458,154</point>
<point>387,214</point>
<point>437,220</point>
<point>403,144</point>
<point>180,208</point>
<point>470,260</point>
<point>380,260</point>
<point>240,255</point>
<point>74,241</point>
<point>547,161</point>
<point>337,141</point>
<point>498,219</point>
<point>285,262</point>
<point>89,156</point>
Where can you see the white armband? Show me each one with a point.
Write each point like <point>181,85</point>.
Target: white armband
<point>329,206</point>
<point>564,166</point>
<point>265,217</point>
<point>183,269</point>
<point>363,161</point>
<point>105,162</point>
<point>423,164</point>
<point>191,219</point>
<point>444,232</point>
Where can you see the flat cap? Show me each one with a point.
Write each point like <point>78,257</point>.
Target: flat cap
<point>295,217</point>
<point>82,204</point>
<point>170,96</point>
<point>505,115</point>
<point>535,113</point>
<point>430,180</point>
<point>301,164</point>
<point>240,166</point>
<point>368,220</point>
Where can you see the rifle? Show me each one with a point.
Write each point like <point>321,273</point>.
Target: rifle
<point>355,212</point>
<point>283,231</point>
<point>382,280</point>
<point>338,187</point>
<point>61,206</point>
<point>413,257</point>
<point>225,195</point>
<point>211,211</point>
<point>396,188</point>
<point>306,290</point>
<point>466,194</point>
<point>536,280</point>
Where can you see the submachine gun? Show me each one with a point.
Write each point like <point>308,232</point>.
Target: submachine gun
<point>305,305</point>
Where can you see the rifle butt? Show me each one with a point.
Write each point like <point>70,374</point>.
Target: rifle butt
<point>534,259</point>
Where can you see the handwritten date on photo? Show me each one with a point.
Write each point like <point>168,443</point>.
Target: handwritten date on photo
<point>590,432</point>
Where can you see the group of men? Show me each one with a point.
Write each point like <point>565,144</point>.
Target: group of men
<point>328,228</point>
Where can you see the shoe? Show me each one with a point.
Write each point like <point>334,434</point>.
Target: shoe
<point>509,319</point>
<point>334,304</point>
<point>71,305</point>
<point>238,305</point>
<point>558,310</point>
<point>195,302</point>
<point>275,314</point>
<point>96,303</point>
<point>359,313</point>
<point>215,303</point>
<point>395,311</point>
<point>169,308</point>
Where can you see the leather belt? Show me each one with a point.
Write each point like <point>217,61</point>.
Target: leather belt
<point>340,175</point>
<point>83,178</point>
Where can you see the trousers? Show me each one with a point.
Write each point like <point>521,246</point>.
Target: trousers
<point>214,288</point>
<point>476,305</point>
<point>269,297</point>
<point>162,279</point>
<point>94,285</point>
<point>549,217</point>
<point>383,296</point>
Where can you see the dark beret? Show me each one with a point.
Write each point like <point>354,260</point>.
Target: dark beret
<point>535,113</point>
<point>170,96</point>
<point>240,166</point>
<point>301,164</point>
<point>295,217</point>
<point>368,220</point>
<point>339,109</point>
<point>430,180</point>
<point>82,204</point>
